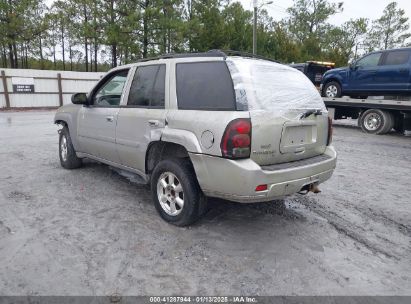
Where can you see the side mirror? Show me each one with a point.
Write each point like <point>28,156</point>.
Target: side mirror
<point>353,66</point>
<point>79,98</point>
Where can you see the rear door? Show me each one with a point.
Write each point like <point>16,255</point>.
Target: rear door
<point>142,117</point>
<point>394,73</point>
<point>97,122</point>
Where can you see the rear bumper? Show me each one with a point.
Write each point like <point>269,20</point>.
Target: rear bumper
<point>236,180</point>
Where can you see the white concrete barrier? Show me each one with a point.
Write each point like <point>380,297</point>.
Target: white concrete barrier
<point>21,88</point>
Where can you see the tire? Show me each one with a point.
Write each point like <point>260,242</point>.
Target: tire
<point>332,89</point>
<point>359,97</point>
<point>67,154</point>
<point>390,122</point>
<point>180,208</point>
<point>399,123</point>
<point>376,121</point>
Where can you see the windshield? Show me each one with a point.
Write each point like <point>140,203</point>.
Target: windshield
<point>266,85</point>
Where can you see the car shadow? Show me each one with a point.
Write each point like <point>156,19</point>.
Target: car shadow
<point>218,210</point>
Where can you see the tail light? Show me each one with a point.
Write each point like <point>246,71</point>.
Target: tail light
<point>330,131</point>
<point>236,141</point>
<point>263,187</point>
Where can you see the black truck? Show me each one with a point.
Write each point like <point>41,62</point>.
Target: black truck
<point>314,70</point>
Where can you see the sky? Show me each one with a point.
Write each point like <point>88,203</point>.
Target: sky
<point>371,9</point>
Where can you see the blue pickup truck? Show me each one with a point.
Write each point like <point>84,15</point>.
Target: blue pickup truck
<point>376,74</point>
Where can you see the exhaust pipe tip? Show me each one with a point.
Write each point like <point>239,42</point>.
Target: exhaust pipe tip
<point>310,188</point>
<point>314,188</point>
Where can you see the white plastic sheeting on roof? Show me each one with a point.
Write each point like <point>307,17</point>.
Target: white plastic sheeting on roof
<point>265,85</point>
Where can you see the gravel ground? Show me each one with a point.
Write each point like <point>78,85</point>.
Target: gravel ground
<point>92,232</point>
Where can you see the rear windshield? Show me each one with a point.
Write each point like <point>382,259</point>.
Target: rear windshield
<point>266,85</point>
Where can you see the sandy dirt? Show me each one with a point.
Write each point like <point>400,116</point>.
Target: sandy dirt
<point>93,232</point>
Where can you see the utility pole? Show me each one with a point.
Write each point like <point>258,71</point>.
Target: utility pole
<point>255,3</point>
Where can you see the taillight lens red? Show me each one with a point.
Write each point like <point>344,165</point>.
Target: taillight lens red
<point>241,140</point>
<point>330,131</point>
<point>236,141</point>
<point>261,188</point>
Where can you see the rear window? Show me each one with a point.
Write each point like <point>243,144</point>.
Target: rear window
<point>397,57</point>
<point>204,86</point>
<point>265,85</point>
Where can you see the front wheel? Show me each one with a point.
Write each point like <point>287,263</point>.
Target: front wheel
<point>332,89</point>
<point>176,193</point>
<point>67,154</point>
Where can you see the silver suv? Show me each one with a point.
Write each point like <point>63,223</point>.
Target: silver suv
<point>205,124</point>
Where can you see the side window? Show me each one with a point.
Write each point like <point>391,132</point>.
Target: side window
<point>109,93</point>
<point>204,86</point>
<point>371,60</point>
<point>148,86</point>
<point>397,57</point>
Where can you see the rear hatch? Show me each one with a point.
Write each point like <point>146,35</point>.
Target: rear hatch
<point>278,139</point>
<point>288,116</point>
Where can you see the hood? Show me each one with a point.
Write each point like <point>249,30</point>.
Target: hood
<point>342,69</point>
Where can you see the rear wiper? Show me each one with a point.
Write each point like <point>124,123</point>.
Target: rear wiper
<point>310,112</point>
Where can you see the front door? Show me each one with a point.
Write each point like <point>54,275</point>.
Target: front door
<point>362,76</point>
<point>142,118</point>
<point>97,122</point>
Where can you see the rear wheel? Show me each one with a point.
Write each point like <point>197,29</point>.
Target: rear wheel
<point>376,121</point>
<point>176,193</point>
<point>399,123</point>
<point>332,89</point>
<point>359,97</point>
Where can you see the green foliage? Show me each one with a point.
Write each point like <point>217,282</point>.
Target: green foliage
<point>19,25</point>
<point>93,35</point>
<point>283,47</point>
<point>343,42</point>
<point>237,29</point>
<point>308,18</point>
<point>307,23</point>
<point>207,22</point>
<point>389,31</point>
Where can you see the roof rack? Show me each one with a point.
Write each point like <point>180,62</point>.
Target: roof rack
<point>210,53</point>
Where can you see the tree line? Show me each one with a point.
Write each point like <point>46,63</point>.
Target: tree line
<point>94,35</point>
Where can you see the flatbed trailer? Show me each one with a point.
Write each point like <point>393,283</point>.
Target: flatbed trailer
<point>375,116</point>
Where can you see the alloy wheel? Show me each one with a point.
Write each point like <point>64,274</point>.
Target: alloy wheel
<point>331,91</point>
<point>63,148</point>
<point>372,121</point>
<point>170,193</point>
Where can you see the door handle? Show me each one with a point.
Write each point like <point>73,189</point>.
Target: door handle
<point>110,118</point>
<point>403,70</point>
<point>153,123</point>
